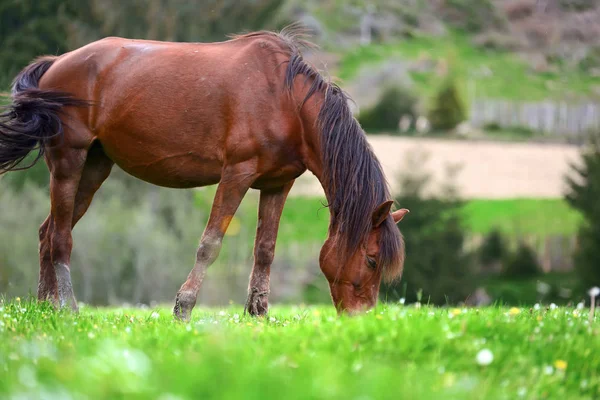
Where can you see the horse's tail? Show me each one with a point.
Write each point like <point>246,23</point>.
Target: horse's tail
<point>33,118</point>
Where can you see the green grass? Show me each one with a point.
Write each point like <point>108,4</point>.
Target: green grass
<point>305,219</point>
<point>393,352</point>
<point>510,78</point>
<point>522,216</point>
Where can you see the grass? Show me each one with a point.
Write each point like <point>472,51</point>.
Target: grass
<point>305,219</point>
<point>298,353</point>
<point>541,217</point>
<point>510,77</point>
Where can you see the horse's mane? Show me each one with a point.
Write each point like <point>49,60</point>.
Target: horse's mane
<point>354,182</point>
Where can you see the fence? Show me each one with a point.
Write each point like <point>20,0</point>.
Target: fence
<point>553,118</point>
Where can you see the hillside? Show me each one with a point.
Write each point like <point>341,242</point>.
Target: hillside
<point>522,50</point>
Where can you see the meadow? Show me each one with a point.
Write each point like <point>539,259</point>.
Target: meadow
<point>394,351</point>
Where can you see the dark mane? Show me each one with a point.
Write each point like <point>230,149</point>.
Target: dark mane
<point>354,181</point>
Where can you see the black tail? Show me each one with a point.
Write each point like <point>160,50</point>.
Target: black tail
<point>33,118</point>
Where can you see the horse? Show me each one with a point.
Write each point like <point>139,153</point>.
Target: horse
<point>245,113</point>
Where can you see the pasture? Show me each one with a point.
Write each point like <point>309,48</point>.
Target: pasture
<point>394,351</point>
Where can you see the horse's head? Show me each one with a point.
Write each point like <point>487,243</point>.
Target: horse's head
<point>355,285</point>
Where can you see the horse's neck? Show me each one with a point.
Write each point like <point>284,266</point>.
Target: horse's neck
<point>312,137</point>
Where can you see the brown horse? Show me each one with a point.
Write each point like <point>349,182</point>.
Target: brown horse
<point>245,113</point>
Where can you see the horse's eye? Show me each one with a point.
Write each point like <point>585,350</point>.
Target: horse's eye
<point>371,262</point>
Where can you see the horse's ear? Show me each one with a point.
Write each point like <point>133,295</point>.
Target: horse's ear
<point>398,215</point>
<point>381,213</point>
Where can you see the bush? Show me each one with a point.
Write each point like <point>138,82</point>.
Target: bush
<point>591,60</point>
<point>395,102</point>
<point>472,15</point>
<point>437,270</point>
<point>583,195</point>
<point>577,5</point>
<point>522,263</point>
<point>448,109</point>
<point>493,249</point>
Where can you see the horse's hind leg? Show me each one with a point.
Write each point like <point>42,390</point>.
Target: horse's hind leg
<point>55,279</point>
<point>235,182</point>
<point>269,213</point>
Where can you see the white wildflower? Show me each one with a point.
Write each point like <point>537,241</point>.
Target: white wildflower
<point>553,306</point>
<point>402,300</point>
<point>548,370</point>
<point>536,306</point>
<point>580,305</point>
<point>485,357</point>
<point>154,315</point>
<point>595,291</point>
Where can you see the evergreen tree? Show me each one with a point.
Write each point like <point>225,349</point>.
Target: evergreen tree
<point>584,195</point>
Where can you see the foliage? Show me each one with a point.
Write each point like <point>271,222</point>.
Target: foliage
<point>29,28</point>
<point>578,5</point>
<point>493,249</point>
<point>583,195</point>
<point>395,102</point>
<point>448,109</point>
<point>144,354</point>
<point>522,263</point>
<point>558,288</point>
<point>591,61</point>
<point>472,15</point>
<point>436,261</point>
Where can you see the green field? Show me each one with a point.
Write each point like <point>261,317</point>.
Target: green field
<point>298,353</point>
<point>305,220</point>
<point>504,69</point>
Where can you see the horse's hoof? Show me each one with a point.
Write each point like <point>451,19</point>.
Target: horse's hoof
<point>184,303</point>
<point>257,304</point>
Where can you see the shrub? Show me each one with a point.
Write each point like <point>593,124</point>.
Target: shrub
<point>583,195</point>
<point>493,249</point>
<point>522,263</point>
<point>395,102</point>
<point>472,15</point>
<point>577,5</point>
<point>591,60</point>
<point>448,109</point>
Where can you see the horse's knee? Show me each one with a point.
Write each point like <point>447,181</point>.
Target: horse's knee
<point>208,250</point>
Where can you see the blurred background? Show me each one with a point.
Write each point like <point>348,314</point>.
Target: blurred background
<point>484,114</point>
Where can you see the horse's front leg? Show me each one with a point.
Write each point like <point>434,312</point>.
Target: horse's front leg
<point>234,184</point>
<point>269,212</point>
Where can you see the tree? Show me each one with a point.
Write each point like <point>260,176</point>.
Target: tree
<point>395,102</point>
<point>584,195</point>
<point>522,263</point>
<point>448,109</point>
<point>436,263</point>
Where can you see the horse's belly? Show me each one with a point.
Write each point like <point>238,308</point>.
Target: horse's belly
<point>166,165</point>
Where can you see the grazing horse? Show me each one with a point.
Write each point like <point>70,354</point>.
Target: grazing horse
<point>245,113</point>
